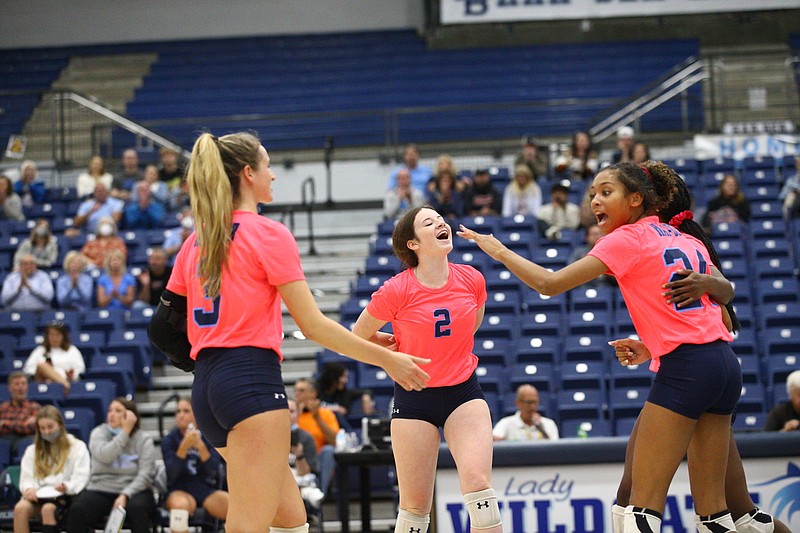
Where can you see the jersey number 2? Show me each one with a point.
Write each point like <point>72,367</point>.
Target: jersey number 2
<point>442,326</point>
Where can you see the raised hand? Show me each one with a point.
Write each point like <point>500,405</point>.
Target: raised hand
<point>487,243</point>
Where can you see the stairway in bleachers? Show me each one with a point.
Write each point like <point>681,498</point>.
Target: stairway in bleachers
<point>111,79</point>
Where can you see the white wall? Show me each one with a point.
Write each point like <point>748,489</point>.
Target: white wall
<point>42,23</point>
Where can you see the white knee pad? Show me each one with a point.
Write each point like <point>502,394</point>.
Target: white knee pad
<point>756,521</point>
<point>484,513</point>
<point>641,519</point>
<point>298,529</point>
<point>617,518</point>
<point>178,520</point>
<point>411,523</point>
<point>721,522</point>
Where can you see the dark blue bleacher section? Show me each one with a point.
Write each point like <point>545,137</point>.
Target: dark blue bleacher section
<point>354,77</point>
<point>559,344</point>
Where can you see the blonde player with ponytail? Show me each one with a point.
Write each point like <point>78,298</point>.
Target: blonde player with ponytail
<point>221,316</point>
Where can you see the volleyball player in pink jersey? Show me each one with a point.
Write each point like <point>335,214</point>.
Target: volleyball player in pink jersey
<point>698,379</point>
<point>747,516</point>
<point>435,307</point>
<point>225,292</point>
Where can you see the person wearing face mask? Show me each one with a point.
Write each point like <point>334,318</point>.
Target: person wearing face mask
<point>52,471</point>
<point>174,241</point>
<point>41,244</point>
<point>94,209</point>
<point>106,240</point>
<point>123,469</point>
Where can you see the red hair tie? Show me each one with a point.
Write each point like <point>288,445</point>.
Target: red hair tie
<point>680,217</point>
<point>647,172</point>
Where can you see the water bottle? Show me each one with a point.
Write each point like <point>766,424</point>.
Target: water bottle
<point>341,440</point>
<point>582,434</point>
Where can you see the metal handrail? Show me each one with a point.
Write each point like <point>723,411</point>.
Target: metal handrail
<point>676,82</point>
<point>120,120</point>
<point>308,203</point>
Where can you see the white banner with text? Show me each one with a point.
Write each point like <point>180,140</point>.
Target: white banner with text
<point>741,146</point>
<point>478,11</point>
<point>578,498</point>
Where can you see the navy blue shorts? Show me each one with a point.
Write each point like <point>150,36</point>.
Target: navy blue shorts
<point>198,491</point>
<point>233,384</point>
<point>698,378</point>
<point>435,404</point>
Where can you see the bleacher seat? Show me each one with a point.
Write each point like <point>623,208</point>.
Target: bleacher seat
<point>475,259</point>
<point>116,367</point>
<point>593,298</point>
<point>89,342</point>
<point>500,279</point>
<point>779,314</point>
<point>101,319</point>
<point>540,375</point>
<point>586,347</point>
<point>780,366</point>
<point>498,326</point>
<point>493,378</point>
<point>581,403</point>
<point>768,247</point>
<point>493,350</point>
<point>382,266</point>
<point>92,394</point>
<point>582,375</point>
<point>537,323</point>
<point>503,302</point>
<point>68,317</point>
<point>538,348</point>
<point>786,289</point>
<point>749,422</point>
<point>351,309</point>
<point>781,340</point>
<point>375,379</point>
<point>630,376</point>
<point>752,399</point>
<point>136,343</point>
<point>751,367</point>
<point>766,209</point>
<point>18,322</point>
<point>577,427</point>
<point>534,301</point>
<point>627,402</point>
<point>80,421</point>
<point>46,393</point>
<point>588,323</point>
<point>139,317</point>
<point>772,267</point>
<point>551,256</point>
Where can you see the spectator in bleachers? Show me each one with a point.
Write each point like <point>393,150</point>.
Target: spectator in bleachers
<point>336,396</point>
<point>402,197</point>
<point>527,423</point>
<point>158,189</point>
<point>444,197</point>
<point>29,187</point>
<point>303,461</point>
<point>10,202</point>
<point>588,218</point>
<point>785,416</point>
<point>560,213</point>
<point>522,196</point>
<point>320,422</point>
<point>95,173</point>
<point>123,470</point>
<point>18,413</point>
<point>94,209</point>
<point>174,240</point>
<point>445,163</point>
<point>729,205</point>
<point>420,174</point>
<point>530,155</point>
<point>170,170</point>
<point>122,185</point>
<point>74,287</point>
<point>790,192</point>
<point>179,196</point>
<point>592,235</point>
<point>41,244</point>
<point>56,359</point>
<point>27,288</point>
<point>192,467</point>
<point>116,287</point>
<point>153,280</point>
<point>579,161</point>
<point>640,153</point>
<point>143,211</point>
<point>625,142</point>
<point>105,241</point>
<point>52,471</point>
<point>482,197</point>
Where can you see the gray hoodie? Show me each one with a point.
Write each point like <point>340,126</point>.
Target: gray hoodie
<point>121,464</point>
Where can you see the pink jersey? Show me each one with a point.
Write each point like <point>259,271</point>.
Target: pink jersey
<point>438,324</point>
<point>645,255</point>
<point>262,255</point>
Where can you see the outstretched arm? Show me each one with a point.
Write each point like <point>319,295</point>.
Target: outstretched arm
<point>533,275</point>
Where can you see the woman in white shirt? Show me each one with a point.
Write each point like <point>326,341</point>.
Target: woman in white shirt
<point>96,173</point>
<point>522,196</point>
<point>54,468</point>
<point>56,359</point>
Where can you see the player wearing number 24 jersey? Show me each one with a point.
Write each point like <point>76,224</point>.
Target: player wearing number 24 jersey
<point>645,255</point>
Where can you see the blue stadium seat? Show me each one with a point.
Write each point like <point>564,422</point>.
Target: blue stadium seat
<point>366,285</point>
<point>768,247</point>
<point>139,317</point>
<point>105,320</point>
<point>18,322</point>
<point>502,302</point>
<point>781,340</point>
<point>627,402</point>
<point>26,343</point>
<point>624,426</point>
<point>351,309</point>
<point>46,393</point>
<point>475,259</point>
<point>68,317</point>
<point>500,279</point>
<point>136,343</point>
<point>92,394</point>
<point>89,342</point>
<point>536,348</point>
<point>730,248</point>
<point>517,240</point>
<point>493,350</point>
<point>776,290</point>
<point>766,209</point>
<point>631,376</point>
<point>762,191</point>
<point>683,166</point>
<point>588,427</point>
<point>80,421</point>
<point>623,324</point>
<point>116,367</point>
<point>534,301</point>
<point>376,379</point>
<point>772,267</point>
<point>383,266</point>
<point>719,164</point>
<point>582,375</point>
<point>540,375</point>
<point>780,366</point>
<point>588,322</point>
<point>728,230</point>
<point>382,246</point>
<point>551,256</point>
<point>752,399</point>
<point>744,342</point>
<point>749,422</point>
<point>536,322</point>
<point>493,378</point>
<point>498,326</point>
<point>592,298</point>
<point>586,347</point>
<point>480,224</point>
<point>5,453</point>
<point>779,314</point>
<point>518,223</point>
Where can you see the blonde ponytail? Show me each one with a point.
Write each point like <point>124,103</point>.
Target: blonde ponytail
<point>214,175</point>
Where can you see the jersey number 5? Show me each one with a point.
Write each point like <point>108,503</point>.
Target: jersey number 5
<point>442,326</point>
<point>672,256</point>
<point>207,319</point>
